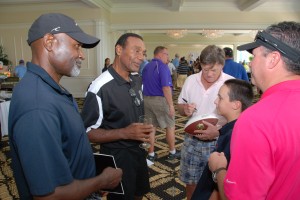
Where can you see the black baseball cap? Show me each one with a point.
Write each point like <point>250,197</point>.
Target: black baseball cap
<point>59,23</point>
<point>267,40</point>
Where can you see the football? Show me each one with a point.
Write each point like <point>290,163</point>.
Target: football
<point>196,123</point>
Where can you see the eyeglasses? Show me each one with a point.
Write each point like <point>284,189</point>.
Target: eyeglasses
<point>136,101</point>
<point>260,36</point>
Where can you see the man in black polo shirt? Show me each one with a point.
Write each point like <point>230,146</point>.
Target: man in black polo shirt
<point>113,104</point>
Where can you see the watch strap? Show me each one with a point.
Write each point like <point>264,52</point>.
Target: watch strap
<point>214,174</point>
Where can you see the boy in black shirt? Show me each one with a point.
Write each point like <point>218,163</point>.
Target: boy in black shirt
<point>233,98</point>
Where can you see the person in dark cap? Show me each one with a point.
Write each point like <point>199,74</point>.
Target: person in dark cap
<point>51,154</point>
<point>265,140</point>
<point>20,69</point>
<point>233,68</point>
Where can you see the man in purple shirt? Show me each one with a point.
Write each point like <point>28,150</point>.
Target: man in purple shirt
<point>157,90</point>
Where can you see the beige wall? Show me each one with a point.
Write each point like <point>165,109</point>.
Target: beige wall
<point>15,22</point>
<point>202,19</point>
<point>194,44</point>
<point>13,36</point>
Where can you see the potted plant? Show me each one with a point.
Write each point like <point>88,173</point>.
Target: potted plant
<point>4,61</point>
<point>4,57</point>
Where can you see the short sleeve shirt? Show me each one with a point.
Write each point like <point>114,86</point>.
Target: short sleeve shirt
<point>265,147</point>
<point>156,75</point>
<point>235,69</point>
<point>206,185</point>
<point>194,92</point>
<point>49,146</point>
<point>110,105</point>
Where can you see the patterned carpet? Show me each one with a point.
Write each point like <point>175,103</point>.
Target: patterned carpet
<point>163,174</point>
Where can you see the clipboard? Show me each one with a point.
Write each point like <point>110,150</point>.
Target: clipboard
<point>102,161</point>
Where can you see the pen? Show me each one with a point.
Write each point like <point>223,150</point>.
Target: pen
<point>187,102</point>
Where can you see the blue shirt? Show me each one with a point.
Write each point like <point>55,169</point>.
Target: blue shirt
<point>156,76</point>
<point>235,69</point>
<point>20,71</point>
<point>49,145</point>
<point>142,66</point>
<point>175,62</point>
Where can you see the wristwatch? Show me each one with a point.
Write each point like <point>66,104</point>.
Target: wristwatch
<point>214,174</point>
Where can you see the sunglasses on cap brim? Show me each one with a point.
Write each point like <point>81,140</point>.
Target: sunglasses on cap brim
<point>267,40</point>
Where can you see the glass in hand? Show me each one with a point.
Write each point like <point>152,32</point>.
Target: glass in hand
<point>145,120</point>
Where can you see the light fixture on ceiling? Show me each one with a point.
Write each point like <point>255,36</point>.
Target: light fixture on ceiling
<point>212,34</point>
<point>176,34</point>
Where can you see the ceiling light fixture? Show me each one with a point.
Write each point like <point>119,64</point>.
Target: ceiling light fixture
<point>176,34</point>
<point>212,34</point>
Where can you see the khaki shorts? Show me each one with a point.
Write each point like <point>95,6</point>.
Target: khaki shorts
<point>158,109</point>
<point>180,80</point>
<point>174,79</point>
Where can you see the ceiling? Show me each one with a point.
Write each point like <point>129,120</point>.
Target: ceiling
<point>174,5</point>
<point>182,7</point>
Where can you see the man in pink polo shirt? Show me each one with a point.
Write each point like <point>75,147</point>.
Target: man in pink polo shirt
<point>265,153</point>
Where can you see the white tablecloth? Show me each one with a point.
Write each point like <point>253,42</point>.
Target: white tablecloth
<point>4,108</point>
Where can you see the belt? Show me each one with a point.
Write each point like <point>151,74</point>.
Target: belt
<point>195,138</point>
